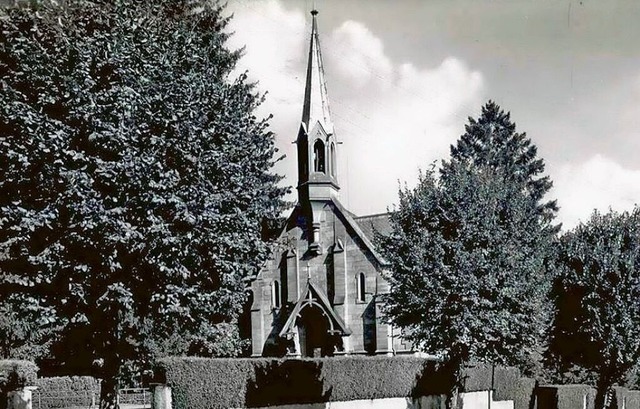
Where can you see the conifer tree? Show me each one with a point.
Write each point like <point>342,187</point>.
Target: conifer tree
<point>134,176</point>
<point>469,252</point>
<point>492,140</point>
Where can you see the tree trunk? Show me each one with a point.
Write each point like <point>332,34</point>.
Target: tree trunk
<point>602,392</point>
<point>454,372</point>
<point>453,398</point>
<point>109,393</point>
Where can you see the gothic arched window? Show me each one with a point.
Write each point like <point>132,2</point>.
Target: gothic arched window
<point>332,159</point>
<point>275,294</point>
<point>361,283</point>
<point>318,156</point>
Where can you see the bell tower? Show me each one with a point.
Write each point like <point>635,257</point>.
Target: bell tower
<point>317,145</point>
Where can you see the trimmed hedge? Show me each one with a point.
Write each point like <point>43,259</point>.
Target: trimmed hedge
<point>68,383</point>
<point>477,378</point>
<point>60,391</point>
<point>200,383</point>
<point>16,374</point>
<point>626,399</point>
<point>524,394</point>
<point>506,382</point>
<point>632,400</point>
<point>565,396</point>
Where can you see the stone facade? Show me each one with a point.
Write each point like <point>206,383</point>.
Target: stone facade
<point>320,294</point>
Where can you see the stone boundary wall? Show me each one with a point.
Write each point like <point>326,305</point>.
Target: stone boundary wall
<point>469,400</point>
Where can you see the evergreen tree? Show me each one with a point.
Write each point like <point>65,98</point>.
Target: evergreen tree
<point>492,141</point>
<point>469,253</point>
<point>597,321</point>
<point>135,176</point>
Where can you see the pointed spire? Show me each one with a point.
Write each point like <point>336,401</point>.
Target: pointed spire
<point>316,101</point>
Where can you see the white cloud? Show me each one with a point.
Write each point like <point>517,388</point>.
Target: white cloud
<point>362,53</point>
<point>275,42</point>
<point>394,118</point>
<point>274,39</point>
<point>599,183</point>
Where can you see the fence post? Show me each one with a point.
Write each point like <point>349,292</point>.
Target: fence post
<point>161,396</point>
<point>21,398</point>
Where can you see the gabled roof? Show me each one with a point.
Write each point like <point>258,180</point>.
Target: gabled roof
<point>312,296</point>
<point>351,222</point>
<point>363,227</point>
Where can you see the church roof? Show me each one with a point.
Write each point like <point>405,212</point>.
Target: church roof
<point>367,239</point>
<point>374,223</point>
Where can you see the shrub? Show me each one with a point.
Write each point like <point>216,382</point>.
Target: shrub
<point>477,378</point>
<point>378,377</point>
<point>524,396</point>
<point>626,399</point>
<point>15,374</point>
<point>199,383</point>
<point>61,391</point>
<point>207,383</point>
<point>632,400</point>
<point>565,396</point>
<point>506,382</point>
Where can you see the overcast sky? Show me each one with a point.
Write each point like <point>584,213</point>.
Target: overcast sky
<point>403,76</point>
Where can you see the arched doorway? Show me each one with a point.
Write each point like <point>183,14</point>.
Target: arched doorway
<point>313,331</point>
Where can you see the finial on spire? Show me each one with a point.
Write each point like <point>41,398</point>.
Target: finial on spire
<point>314,12</point>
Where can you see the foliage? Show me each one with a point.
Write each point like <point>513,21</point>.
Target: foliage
<point>68,383</point>
<point>64,391</point>
<point>492,141</point>
<point>197,382</point>
<point>26,331</point>
<point>565,396</point>
<point>15,373</point>
<point>597,320</point>
<point>468,254</point>
<point>135,177</point>
<point>626,399</point>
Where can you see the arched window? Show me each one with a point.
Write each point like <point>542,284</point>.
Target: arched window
<point>318,156</point>
<point>332,159</point>
<point>275,294</point>
<point>361,282</point>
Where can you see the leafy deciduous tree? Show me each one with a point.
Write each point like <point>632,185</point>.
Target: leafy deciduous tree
<point>135,176</point>
<point>597,321</point>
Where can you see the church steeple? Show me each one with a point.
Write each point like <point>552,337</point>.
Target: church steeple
<point>316,101</point>
<point>317,145</point>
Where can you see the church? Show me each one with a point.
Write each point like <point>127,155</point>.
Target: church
<point>321,291</point>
